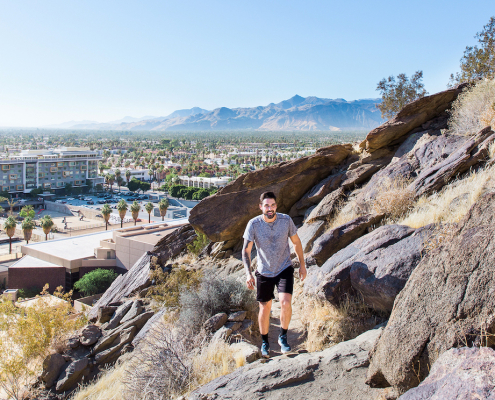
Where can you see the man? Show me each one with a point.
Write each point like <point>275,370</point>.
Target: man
<point>270,232</point>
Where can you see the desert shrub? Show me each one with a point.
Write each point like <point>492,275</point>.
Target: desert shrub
<point>27,335</point>
<point>473,109</point>
<point>96,281</point>
<point>215,294</point>
<point>327,325</point>
<point>198,244</point>
<point>27,293</point>
<point>393,197</point>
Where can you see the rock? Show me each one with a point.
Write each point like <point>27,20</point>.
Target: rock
<point>174,243</point>
<point>443,304</point>
<point>134,311</point>
<point>105,313</point>
<point>73,342</point>
<point>237,316</point>
<point>222,334</point>
<point>90,335</point>
<point>337,238</point>
<point>326,207</point>
<point>118,315</point>
<point>412,116</point>
<point>249,351</point>
<point>233,326</point>
<point>240,198</point>
<point>465,373</point>
<point>110,355</point>
<point>52,364</point>
<point>336,373</point>
<point>109,337</point>
<point>376,266</point>
<point>214,323</point>
<point>155,319</point>
<point>71,376</point>
<point>308,233</point>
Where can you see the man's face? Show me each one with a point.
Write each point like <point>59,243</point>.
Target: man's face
<point>268,208</point>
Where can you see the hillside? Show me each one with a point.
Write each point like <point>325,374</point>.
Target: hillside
<point>295,114</point>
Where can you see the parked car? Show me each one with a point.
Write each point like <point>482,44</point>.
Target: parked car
<point>70,198</point>
<point>90,202</point>
<point>102,201</point>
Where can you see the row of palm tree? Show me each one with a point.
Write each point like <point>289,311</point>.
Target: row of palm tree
<point>27,227</point>
<point>122,208</point>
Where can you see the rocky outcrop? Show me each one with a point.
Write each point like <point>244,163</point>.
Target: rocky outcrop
<point>239,199</point>
<point>89,335</point>
<point>70,377</point>
<point>447,300</point>
<point>335,373</point>
<point>214,323</point>
<point>174,243</point>
<point>326,207</point>
<point>465,373</point>
<point>377,266</point>
<point>52,364</point>
<point>337,238</point>
<point>412,116</point>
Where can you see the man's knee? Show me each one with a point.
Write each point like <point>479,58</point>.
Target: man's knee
<point>266,305</point>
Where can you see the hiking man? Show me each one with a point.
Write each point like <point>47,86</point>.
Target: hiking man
<point>270,232</point>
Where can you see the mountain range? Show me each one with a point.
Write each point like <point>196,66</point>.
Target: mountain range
<point>295,114</point>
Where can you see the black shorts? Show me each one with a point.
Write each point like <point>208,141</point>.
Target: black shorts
<point>265,286</point>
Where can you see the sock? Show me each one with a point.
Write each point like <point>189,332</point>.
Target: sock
<point>264,338</point>
<point>283,331</point>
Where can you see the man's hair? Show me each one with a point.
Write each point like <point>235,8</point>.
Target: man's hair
<point>267,195</point>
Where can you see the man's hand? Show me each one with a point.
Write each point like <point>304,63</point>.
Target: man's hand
<point>250,281</point>
<point>302,272</point>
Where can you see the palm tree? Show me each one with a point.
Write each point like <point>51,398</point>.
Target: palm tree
<point>117,176</point>
<point>162,206</point>
<point>122,208</point>
<point>120,181</point>
<point>111,180</point>
<point>106,211</point>
<point>128,176</point>
<point>27,228</point>
<point>46,224</point>
<point>149,208</point>
<point>135,207</point>
<point>9,226</point>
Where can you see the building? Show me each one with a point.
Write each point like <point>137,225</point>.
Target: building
<point>140,174</point>
<point>62,262</point>
<point>200,182</point>
<point>48,169</point>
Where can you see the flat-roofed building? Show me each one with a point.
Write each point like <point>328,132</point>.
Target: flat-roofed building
<point>206,183</point>
<point>48,169</point>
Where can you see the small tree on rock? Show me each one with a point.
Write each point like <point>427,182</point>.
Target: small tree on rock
<point>397,93</point>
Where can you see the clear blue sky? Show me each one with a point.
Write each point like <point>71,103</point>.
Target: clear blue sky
<point>102,60</point>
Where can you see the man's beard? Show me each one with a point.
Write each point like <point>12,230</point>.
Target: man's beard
<point>270,214</point>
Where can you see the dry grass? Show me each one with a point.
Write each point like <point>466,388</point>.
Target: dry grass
<point>345,212</point>
<point>327,325</point>
<point>453,202</point>
<point>108,387</point>
<point>393,198</point>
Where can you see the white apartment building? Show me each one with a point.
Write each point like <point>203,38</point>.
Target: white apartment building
<point>140,174</point>
<point>48,169</point>
<point>206,183</point>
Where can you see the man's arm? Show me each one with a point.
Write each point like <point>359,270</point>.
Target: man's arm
<point>246,259</point>
<point>300,256</point>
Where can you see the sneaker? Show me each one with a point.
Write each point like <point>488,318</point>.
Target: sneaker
<point>284,346</point>
<point>265,350</point>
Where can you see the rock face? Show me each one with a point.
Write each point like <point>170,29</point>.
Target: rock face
<point>465,373</point>
<point>336,373</point>
<point>51,368</point>
<point>377,266</point>
<point>72,374</point>
<point>118,315</point>
<point>174,243</point>
<point>446,299</point>
<point>90,335</point>
<point>239,199</point>
<point>336,239</point>
<point>410,117</point>
<point>214,323</point>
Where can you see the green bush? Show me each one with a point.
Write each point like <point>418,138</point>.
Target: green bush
<point>198,244</point>
<point>96,281</point>
<point>27,293</point>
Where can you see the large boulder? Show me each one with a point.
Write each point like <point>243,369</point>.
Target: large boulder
<point>326,207</point>
<point>90,335</point>
<point>446,302</point>
<point>377,266</point>
<point>119,314</point>
<point>71,376</point>
<point>337,238</point>
<point>412,116</point>
<point>465,373</point>
<point>174,243</point>
<point>336,373</point>
<point>239,199</point>
<point>52,364</point>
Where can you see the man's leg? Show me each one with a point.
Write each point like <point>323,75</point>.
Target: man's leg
<point>285,288</point>
<point>285,309</point>
<point>264,317</point>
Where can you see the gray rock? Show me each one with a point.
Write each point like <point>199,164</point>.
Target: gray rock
<point>233,326</point>
<point>308,233</point>
<point>71,376</point>
<point>326,207</point>
<point>443,304</point>
<point>245,327</point>
<point>134,311</point>
<point>52,364</point>
<point>376,266</point>
<point>222,334</point>
<point>155,319</point>
<point>336,373</point>
<point>174,243</point>
<point>73,342</point>
<point>105,313</point>
<point>118,315</point>
<point>336,239</point>
<point>465,373</point>
<point>90,335</point>
<point>249,351</point>
<point>214,323</point>
<point>237,316</point>
<point>111,354</point>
